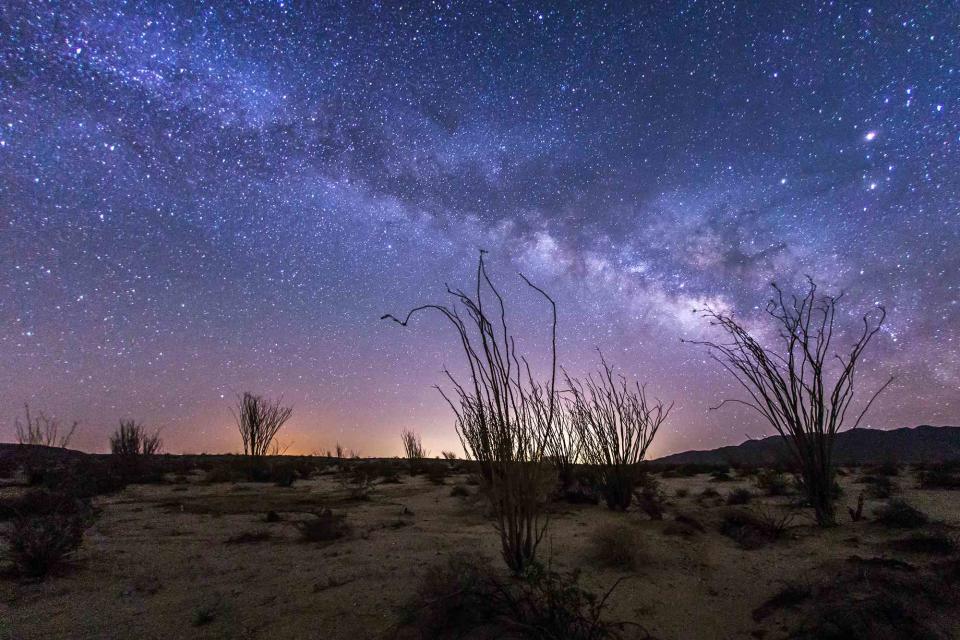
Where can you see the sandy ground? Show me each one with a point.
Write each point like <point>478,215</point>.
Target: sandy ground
<point>158,555</point>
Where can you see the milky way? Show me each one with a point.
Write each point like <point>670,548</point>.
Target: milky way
<point>198,199</point>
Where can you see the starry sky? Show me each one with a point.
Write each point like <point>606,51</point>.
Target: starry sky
<point>202,198</point>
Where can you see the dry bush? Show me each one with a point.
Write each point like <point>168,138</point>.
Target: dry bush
<point>898,514</point>
<point>358,484</point>
<point>326,526</point>
<point>37,545</point>
<point>752,530</point>
<point>460,491</point>
<point>802,388</point>
<point>258,420</point>
<point>38,429</point>
<point>772,482</point>
<point>412,446</point>
<point>504,416</point>
<point>131,439</point>
<point>871,599</point>
<point>878,487</point>
<point>616,424</point>
<point>465,598</point>
<point>614,546</point>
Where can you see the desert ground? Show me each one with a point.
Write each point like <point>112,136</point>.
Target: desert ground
<point>191,557</point>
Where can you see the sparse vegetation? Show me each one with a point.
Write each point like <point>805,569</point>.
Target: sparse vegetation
<point>615,546</point>
<point>900,515</point>
<point>463,596</point>
<point>38,429</point>
<point>754,529</point>
<point>503,414</point>
<point>259,420</point>
<point>40,544</point>
<point>616,424</point>
<point>790,388</point>
<point>131,439</point>
<point>772,482</point>
<point>325,526</point>
<point>412,446</point>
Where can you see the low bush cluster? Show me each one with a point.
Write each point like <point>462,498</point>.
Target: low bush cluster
<point>463,597</point>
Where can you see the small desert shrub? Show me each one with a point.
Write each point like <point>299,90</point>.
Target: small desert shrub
<point>790,596</point>
<point>739,496</point>
<point>709,497</point>
<point>615,546</point>
<point>878,487</point>
<point>40,544</point>
<point>464,596</point>
<point>929,543</point>
<point>40,502</point>
<point>652,503</point>
<point>459,491</point>
<point>720,476</point>
<point>132,439</point>
<point>900,515</point>
<point>437,472</point>
<point>772,482</point>
<point>357,484</point>
<point>944,476</point>
<point>325,527</point>
<point>754,530</point>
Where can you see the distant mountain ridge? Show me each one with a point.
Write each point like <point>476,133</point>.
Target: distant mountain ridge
<point>907,445</point>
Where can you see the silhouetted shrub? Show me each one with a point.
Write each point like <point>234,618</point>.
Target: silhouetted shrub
<point>412,446</point>
<point>614,546</point>
<point>325,527</point>
<point>616,424</point>
<point>131,439</point>
<point>739,496</point>
<point>38,429</point>
<point>900,515</point>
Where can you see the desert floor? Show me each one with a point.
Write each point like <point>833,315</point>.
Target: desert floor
<point>158,559</point>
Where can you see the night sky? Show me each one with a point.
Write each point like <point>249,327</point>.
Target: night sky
<point>198,199</point>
